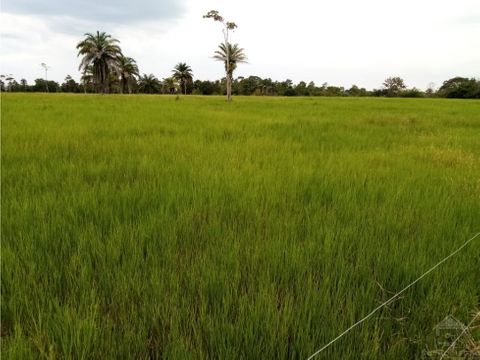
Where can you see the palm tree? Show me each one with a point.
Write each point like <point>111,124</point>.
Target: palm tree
<point>127,70</point>
<point>87,78</point>
<point>24,84</point>
<point>170,85</point>
<point>235,55</point>
<point>183,73</point>
<point>149,84</point>
<point>101,51</point>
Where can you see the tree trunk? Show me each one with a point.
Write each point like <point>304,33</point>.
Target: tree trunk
<point>227,68</point>
<point>229,87</point>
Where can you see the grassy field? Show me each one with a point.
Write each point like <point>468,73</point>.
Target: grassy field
<point>138,227</point>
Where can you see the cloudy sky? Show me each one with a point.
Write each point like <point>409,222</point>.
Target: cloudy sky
<point>340,42</point>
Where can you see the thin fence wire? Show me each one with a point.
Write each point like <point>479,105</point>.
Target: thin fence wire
<point>393,297</point>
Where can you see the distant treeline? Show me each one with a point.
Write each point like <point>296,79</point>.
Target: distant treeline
<point>458,87</point>
<point>105,69</point>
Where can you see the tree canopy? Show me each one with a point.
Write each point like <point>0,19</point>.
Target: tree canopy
<point>183,74</point>
<point>102,52</point>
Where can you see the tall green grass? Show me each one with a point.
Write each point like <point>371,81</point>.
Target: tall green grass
<point>143,227</point>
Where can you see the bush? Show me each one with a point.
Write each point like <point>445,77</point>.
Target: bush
<point>412,93</point>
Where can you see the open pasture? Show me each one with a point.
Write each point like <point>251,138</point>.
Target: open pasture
<point>147,227</point>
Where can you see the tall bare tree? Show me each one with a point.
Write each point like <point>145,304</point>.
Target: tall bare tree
<point>227,27</point>
<point>46,68</point>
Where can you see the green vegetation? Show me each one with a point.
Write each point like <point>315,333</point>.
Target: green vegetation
<point>106,70</point>
<point>183,74</point>
<point>229,54</point>
<point>458,87</point>
<point>102,58</point>
<point>139,227</point>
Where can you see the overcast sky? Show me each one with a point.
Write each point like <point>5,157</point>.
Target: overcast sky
<point>341,42</point>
